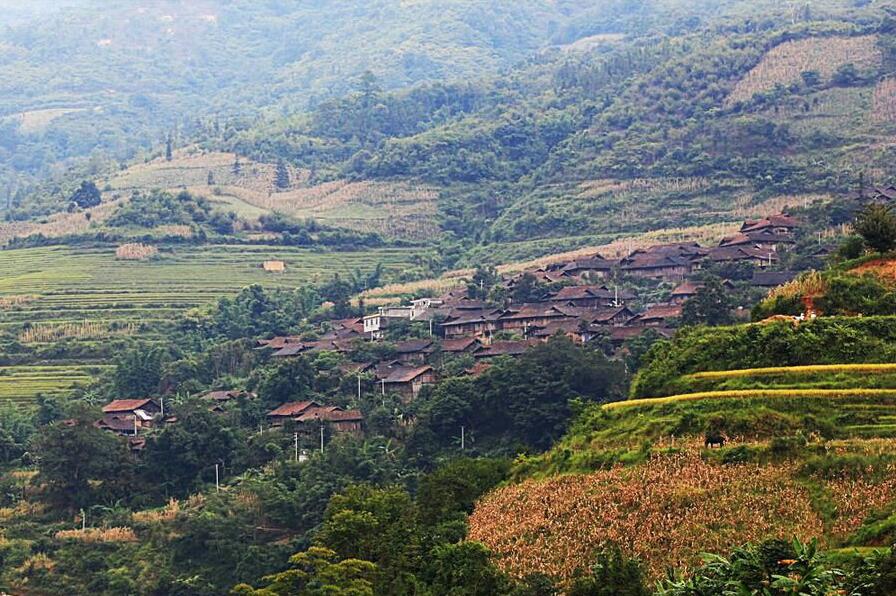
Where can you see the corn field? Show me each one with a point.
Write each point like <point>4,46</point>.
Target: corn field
<point>665,512</point>
<point>50,332</point>
<point>136,252</point>
<point>785,63</point>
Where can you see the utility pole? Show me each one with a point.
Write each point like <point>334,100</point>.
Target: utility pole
<point>217,480</point>
<point>384,386</point>
<point>296,438</point>
<point>359,387</point>
<point>462,438</point>
<point>321,438</point>
<point>83,520</point>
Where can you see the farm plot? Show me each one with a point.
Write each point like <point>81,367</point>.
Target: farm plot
<point>75,285</point>
<point>22,384</point>
<point>392,208</point>
<point>83,294</point>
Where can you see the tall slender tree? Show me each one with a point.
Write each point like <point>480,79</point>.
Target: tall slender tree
<point>282,179</point>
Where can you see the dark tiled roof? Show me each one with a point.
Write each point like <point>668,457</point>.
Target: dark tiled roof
<point>661,312</point>
<point>505,348</point>
<point>405,374</point>
<point>774,221</point>
<point>741,253</point>
<point>127,405</point>
<point>459,345</point>
<point>117,423</point>
<point>331,414</point>
<point>413,346</point>
<point>688,288</point>
<point>771,279</point>
<point>293,408</point>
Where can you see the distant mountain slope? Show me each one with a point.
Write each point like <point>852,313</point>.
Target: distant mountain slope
<point>128,73</point>
<point>629,117</point>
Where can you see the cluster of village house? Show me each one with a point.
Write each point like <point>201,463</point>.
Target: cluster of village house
<point>582,311</point>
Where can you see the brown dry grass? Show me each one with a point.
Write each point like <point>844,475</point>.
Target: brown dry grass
<point>98,535</point>
<point>9,302</point>
<point>394,209</point>
<point>166,514</point>
<point>136,252</point>
<point>885,269</point>
<point>884,101</point>
<point>809,284</point>
<point>784,63</point>
<point>60,224</point>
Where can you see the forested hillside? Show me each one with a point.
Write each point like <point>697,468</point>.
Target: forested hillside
<point>111,78</point>
<point>544,126</point>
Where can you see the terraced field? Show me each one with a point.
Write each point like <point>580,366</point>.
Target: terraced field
<point>85,294</point>
<point>22,384</point>
<point>393,209</point>
<point>65,284</point>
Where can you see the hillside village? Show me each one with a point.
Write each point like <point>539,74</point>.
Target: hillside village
<point>448,298</point>
<point>585,300</point>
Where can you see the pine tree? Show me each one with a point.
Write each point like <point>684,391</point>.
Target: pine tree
<point>237,166</point>
<point>169,148</point>
<point>282,180</point>
<point>211,178</point>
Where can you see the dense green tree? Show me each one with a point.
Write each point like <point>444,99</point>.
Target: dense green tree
<point>152,209</point>
<point>257,311</point>
<point>282,176</point>
<point>87,195</point>
<point>519,403</point>
<point>711,305</point>
<point>451,491</point>
<point>182,457</point>
<point>339,292</point>
<point>138,371</point>
<point>846,75</point>
<point>465,569</point>
<point>612,574</point>
<point>482,282</point>
<point>318,572</point>
<point>876,224</point>
<point>377,525</point>
<point>291,379</point>
<point>526,289</point>
<point>82,466</point>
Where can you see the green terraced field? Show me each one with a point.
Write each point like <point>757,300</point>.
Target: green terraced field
<point>22,384</point>
<point>82,284</point>
<point>62,284</point>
